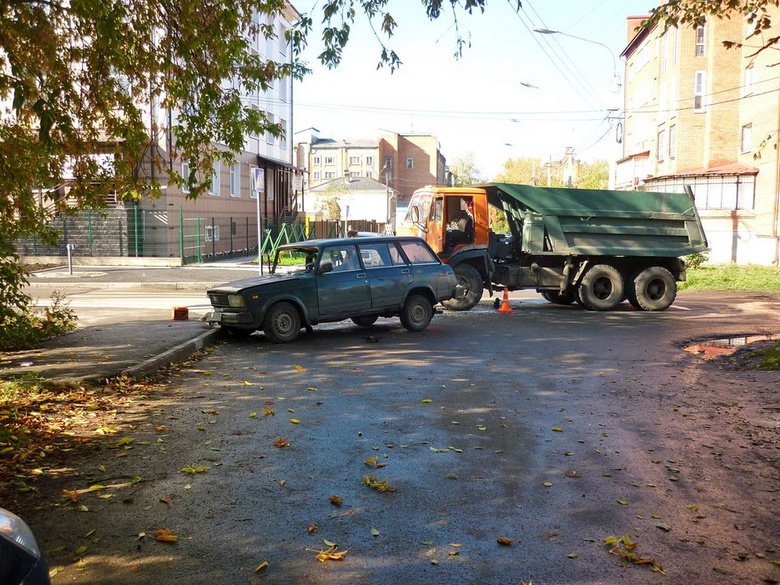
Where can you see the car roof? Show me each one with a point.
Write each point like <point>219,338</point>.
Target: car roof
<point>356,240</point>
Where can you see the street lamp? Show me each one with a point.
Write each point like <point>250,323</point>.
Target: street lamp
<point>547,31</point>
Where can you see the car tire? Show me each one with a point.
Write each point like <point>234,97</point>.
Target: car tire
<point>601,288</point>
<point>365,320</point>
<point>470,282</point>
<point>282,323</point>
<point>416,313</point>
<point>654,288</point>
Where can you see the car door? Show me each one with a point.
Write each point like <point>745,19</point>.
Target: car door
<point>389,276</point>
<point>343,291</point>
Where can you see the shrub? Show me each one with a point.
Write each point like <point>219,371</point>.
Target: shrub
<point>696,259</point>
<point>29,327</point>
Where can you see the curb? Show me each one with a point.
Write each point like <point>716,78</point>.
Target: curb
<point>175,354</point>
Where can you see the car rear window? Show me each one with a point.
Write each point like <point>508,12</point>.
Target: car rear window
<point>380,254</point>
<point>418,253</point>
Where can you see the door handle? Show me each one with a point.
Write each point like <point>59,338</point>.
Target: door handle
<point>362,275</point>
<point>405,271</point>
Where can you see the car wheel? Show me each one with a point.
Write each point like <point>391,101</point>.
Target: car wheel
<point>237,333</point>
<point>601,288</point>
<point>365,320</point>
<point>655,289</point>
<point>416,313</point>
<point>470,289</point>
<point>282,323</point>
<point>556,298</point>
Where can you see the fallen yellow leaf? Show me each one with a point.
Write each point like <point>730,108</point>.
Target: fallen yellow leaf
<point>300,368</point>
<point>261,566</point>
<point>165,535</point>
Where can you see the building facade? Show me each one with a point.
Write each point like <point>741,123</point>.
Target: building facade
<point>260,191</point>
<point>402,162</point>
<point>700,115</point>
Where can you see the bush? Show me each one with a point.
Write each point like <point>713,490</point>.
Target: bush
<point>29,327</point>
<point>696,259</point>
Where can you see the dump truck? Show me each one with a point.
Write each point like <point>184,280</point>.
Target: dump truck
<point>593,247</point>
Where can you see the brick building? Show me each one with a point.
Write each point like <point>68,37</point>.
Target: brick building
<point>403,162</point>
<point>701,115</point>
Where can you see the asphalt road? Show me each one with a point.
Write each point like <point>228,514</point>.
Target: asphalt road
<point>551,427</point>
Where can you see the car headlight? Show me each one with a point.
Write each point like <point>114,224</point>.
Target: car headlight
<point>13,528</point>
<point>236,301</point>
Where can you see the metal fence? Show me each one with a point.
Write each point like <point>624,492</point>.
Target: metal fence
<point>194,238</point>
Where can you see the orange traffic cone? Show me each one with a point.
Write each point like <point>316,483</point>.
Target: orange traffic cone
<point>505,308</point>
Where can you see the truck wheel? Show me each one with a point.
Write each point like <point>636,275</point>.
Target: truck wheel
<point>655,289</point>
<point>601,288</point>
<point>416,313</point>
<point>282,323</point>
<point>566,298</point>
<point>365,320</point>
<point>470,289</point>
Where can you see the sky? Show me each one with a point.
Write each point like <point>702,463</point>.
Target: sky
<point>513,93</point>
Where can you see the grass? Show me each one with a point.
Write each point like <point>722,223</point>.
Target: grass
<point>747,277</point>
<point>770,358</point>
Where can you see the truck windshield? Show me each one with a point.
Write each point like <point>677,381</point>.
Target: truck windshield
<point>422,201</point>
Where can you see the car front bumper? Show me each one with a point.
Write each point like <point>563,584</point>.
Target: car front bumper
<point>228,317</point>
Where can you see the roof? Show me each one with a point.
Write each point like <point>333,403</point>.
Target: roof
<point>727,169</point>
<point>352,184</point>
<point>344,143</point>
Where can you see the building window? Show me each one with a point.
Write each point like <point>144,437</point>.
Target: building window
<point>315,161</point>
<point>215,177</point>
<point>354,174</point>
<point>700,41</point>
<point>235,180</point>
<point>369,160</point>
<point>369,173</point>
<point>330,161</point>
<point>698,92</point>
<point>388,162</point>
<point>661,145</point>
<point>749,79</point>
<point>185,177</point>
<point>316,175</point>
<point>330,175</point>
<point>672,140</point>
<point>283,137</point>
<point>354,160</point>
<point>409,163</point>
<point>746,141</point>
<point>270,138</point>
<point>212,233</point>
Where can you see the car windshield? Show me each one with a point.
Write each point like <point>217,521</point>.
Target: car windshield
<point>299,259</point>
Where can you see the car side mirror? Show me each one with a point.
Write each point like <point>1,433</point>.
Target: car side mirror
<point>416,219</point>
<point>326,266</point>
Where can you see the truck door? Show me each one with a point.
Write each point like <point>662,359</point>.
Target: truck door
<point>435,224</point>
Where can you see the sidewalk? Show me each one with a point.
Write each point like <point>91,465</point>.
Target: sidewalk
<point>126,320</point>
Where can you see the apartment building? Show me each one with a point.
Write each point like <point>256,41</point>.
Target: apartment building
<point>700,115</point>
<point>403,162</point>
<point>263,186</point>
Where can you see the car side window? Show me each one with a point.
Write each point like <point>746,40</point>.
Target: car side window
<point>375,255</point>
<point>343,258</point>
<point>418,253</point>
<point>395,254</point>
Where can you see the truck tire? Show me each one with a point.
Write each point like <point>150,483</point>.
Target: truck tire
<point>654,288</point>
<point>365,320</point>
<point>282,323</point>
<point>557,298</point>
<point>601,288</point>
<point>471,288</point>
<point>416,313</point>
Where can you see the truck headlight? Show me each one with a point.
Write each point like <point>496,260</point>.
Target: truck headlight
<point>236,301</point>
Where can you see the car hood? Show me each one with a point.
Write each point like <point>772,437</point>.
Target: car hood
<point>244,283</point>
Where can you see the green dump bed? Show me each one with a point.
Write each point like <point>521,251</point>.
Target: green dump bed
<point>593,222</point>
